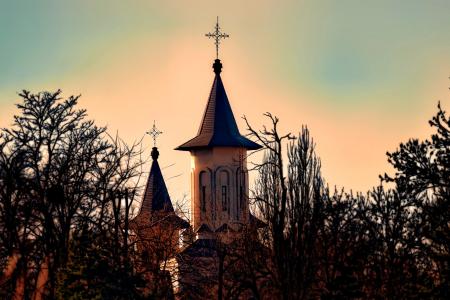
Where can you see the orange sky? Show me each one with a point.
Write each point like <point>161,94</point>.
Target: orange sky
<point>362,79</point>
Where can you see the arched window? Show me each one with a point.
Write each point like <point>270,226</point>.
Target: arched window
<point>241,195</point>
<point>224,185</point>
<point>203,191</point>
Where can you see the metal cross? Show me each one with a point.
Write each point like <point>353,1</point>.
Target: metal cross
<point>154,132</point>
<point>217,35</point>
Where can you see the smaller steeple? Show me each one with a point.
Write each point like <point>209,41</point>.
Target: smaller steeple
<point>156,203</point>
<point>156,197</point>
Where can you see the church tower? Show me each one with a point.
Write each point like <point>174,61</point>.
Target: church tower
<point>156,225</point>
<point>219,195</point>
<point>219,176</point>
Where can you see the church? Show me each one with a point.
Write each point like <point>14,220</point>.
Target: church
<point>187,253</point>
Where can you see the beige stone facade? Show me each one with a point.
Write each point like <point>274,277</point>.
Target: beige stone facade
<point>219,187</point>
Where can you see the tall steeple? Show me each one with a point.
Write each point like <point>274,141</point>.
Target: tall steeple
<point>218,127</point>
<point>219,176</point>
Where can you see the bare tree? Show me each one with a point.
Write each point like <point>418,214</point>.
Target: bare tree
<point>291,204</point>
<point>59,174</point>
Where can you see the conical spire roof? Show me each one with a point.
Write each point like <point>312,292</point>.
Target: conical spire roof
<point>156,204</point>
<point>218,127</point>
<point>156,197</point>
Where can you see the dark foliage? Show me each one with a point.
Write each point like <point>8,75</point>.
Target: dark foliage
<point>67,189</point>
<point>60,174</point>
<point>388,244</point>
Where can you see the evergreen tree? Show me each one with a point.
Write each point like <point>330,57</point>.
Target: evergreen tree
<point>423,175</point>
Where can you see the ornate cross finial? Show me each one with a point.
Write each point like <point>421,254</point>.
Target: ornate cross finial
<point>217,35</point>
<point>154,132</point>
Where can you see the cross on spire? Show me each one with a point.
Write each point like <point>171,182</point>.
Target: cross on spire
<point>154,132</point>
<point>217,35</point>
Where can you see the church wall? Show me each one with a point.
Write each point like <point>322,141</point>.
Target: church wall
<point>217,185</point>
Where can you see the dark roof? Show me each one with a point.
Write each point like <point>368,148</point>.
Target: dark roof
<point>156,197</point>
<point>201,248</point>
<point>176,221</point>
<point>203,228</point>
<point>156,206</point>
<point>224,228</point>
<point>218,126</point>
<point>254,221</point>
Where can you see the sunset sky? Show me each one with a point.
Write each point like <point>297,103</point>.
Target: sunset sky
<point>363,75</point>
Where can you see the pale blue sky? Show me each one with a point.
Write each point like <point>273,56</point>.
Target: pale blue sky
<point>364,75</point>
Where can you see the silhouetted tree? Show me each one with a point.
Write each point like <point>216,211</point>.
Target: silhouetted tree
<point>423,176</point>
<point>343,247</point>
<point>67,190</point>
<point>249,271</point>
<point>59,173</point>
<point>292,204</point>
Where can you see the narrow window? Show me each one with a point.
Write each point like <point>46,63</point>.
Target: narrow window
<point>241,197</point>
<point>204,183</point>
<point>224,198</point>
<point>203,198</point>
<point>224,183</point>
